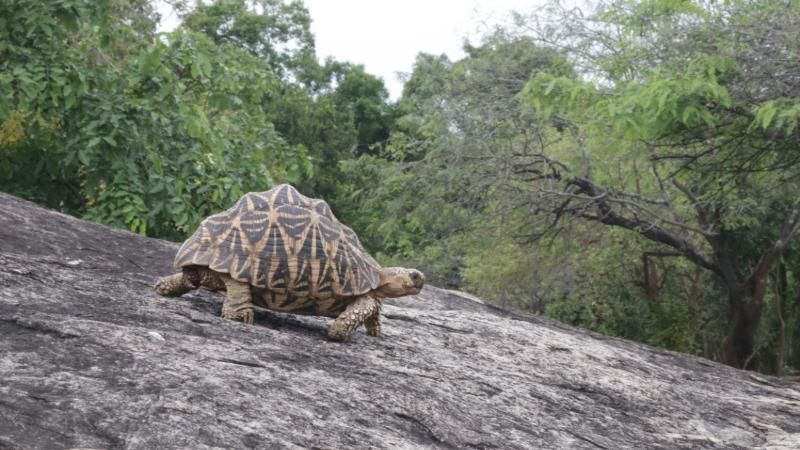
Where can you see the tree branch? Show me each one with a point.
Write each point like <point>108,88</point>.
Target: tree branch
<point>649,230</point>
<point>790,227</point>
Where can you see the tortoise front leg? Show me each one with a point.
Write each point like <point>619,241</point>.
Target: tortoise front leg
<point>352,317</point>
<point>238,303</point>
<point>173,285</point>
<point>373,322</point>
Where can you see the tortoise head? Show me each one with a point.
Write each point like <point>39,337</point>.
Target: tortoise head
<point>399,281</point>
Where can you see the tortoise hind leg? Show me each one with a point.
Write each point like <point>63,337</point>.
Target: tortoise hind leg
<point>353,316</point>
<point>173,285</point>
<point>238,303</point>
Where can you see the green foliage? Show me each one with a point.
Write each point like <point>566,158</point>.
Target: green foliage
<point>101,118</point>
<point>780,115</point>
<point>275,31</point>
<point>340,115</point>
<point>664,104</point>
<point>151,135</point>
<point>683,94</point>
<point>365,97</point>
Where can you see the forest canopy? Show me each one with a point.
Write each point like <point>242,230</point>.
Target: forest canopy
<point>630,167</point>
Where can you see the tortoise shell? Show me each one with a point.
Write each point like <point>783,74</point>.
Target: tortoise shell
<point>285,242</point>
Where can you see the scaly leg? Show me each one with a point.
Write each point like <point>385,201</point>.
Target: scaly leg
<point>352,317</point>
<point>373,322</point>
<point>238,303</point>
<point>173,285</point>
<point>206,278</point>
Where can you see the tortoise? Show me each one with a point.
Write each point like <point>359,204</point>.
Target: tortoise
<point>283,251</point>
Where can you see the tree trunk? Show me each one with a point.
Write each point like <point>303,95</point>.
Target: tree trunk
<point>650,278</point>
<point>739,349</point>
<point>781,285</point>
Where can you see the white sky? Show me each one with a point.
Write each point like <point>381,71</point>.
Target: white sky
<point>386,35</point>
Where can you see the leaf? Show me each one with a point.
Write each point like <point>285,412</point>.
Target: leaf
<point>152,59</point>
<point>85,156</point>
<point>156,188</point>
<point>688,113</point>
<point>768,114</point>
<point>93,142</point>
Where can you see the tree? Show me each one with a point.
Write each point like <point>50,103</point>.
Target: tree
<point>366,98</point>
<point>277,32</point>
<point>428,196</point>
<point>660,119</point>
<point>344,113</point>
<point>329,112</point>
<point>684,125</point>
<point>102,120</point>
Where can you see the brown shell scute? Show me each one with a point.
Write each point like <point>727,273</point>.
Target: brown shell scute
<point>283,241</point>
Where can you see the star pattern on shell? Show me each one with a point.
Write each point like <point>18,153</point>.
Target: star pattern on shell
<point>286,242</point>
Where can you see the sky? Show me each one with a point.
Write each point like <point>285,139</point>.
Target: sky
<point>386,35</point>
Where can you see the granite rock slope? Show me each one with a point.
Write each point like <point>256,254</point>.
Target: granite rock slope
<point>91,357</point>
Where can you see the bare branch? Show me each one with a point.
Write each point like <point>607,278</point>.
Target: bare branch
<point>650,230</point>
<point>791,226</point>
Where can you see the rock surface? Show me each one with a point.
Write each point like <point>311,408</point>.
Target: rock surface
<point>91,357</point>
